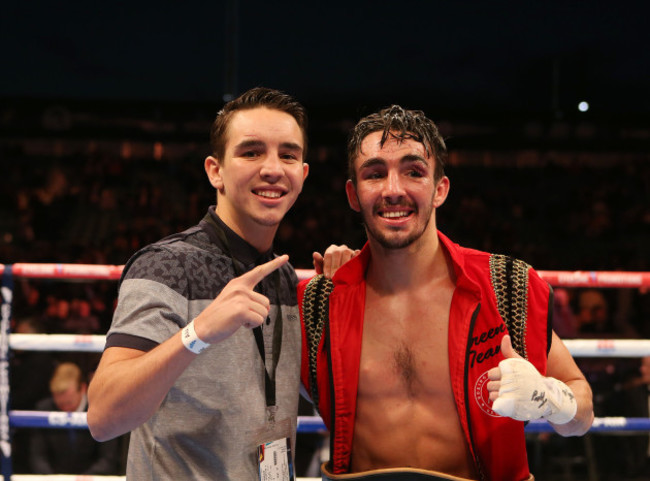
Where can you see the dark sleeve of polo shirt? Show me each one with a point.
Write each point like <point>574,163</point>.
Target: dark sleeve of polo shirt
<point>130,341</point>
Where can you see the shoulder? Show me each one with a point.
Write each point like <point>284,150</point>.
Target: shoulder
<point>495,270</point>
<point>175,261</point>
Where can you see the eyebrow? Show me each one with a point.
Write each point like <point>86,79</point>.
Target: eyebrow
<point>372,162</point>
<point>291,146</point>
<point>252,143</point>
<point>245,144</point>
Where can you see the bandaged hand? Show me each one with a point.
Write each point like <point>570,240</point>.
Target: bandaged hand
<point>520,392</point>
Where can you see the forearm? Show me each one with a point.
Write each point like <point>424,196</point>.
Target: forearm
<point>130,385</point>
<point>584,416</point>
<point>562,366</point>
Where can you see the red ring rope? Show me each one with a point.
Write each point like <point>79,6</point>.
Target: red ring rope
<point>112,272</point>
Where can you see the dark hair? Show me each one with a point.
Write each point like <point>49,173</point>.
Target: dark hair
<point>403,124</point>
<point>254,98</point>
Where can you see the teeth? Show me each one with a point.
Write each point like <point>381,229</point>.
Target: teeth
<point>402,213</point>
<point>273,194</point>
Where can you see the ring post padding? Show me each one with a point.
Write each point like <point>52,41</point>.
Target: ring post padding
<point>5,326</point>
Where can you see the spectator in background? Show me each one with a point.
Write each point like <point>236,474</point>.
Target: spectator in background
<point>70,450</point>
<point>596,318</point>
<point>565,323</point>
<point>57,310</point>
<point>29,374</point>
<point>81,319</point>
<point>616,382</point>
<point>635,394</point>
<point>30,370</point>
<point>593,314</point>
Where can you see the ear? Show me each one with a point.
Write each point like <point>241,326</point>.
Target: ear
<point>442,190</point>
<point>213,169</point>
<point>305,170</point>
<point>351,192</point>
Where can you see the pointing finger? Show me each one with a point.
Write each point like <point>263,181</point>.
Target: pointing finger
<point>255,276</point>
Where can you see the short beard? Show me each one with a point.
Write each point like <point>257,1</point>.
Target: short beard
<point>393,244</point>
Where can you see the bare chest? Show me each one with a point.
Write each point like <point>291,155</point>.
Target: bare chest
<point>404,349</point>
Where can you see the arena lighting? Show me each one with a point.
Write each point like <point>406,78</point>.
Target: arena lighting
<point>583,106</point>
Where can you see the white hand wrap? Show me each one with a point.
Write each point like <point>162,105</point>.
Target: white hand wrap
<point>526,395</point>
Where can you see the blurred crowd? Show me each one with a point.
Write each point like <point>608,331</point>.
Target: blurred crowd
<point>564,211</point>
<point>557,213</point>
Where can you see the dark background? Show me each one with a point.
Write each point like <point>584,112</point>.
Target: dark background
<point>487,57</point>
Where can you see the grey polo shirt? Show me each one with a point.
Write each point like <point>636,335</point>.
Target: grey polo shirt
<point>205,428</point>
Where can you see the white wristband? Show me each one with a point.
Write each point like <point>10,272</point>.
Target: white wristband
<point>191,341</point>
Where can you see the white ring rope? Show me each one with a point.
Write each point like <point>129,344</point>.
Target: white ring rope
<point>57,342</point>
<point>95,343</point>
<point>64,477</point>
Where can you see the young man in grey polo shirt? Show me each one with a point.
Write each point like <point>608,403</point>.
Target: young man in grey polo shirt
<point>202,358</point>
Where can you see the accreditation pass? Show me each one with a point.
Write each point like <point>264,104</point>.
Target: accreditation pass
<point>275,462</point>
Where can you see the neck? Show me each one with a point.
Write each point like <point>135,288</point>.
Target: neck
<point>258,235</point>
<point>394,270</point>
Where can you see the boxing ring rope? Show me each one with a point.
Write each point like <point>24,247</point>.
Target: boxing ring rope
<point>306,424</point>
<point>614,279</point>
<point>95,343</point>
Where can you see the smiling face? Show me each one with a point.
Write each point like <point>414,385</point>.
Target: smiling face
<point>261,173</point>
<point>395,191</point>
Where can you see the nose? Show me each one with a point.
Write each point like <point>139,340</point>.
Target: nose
<point>272,167</point>
<point>393,188</point>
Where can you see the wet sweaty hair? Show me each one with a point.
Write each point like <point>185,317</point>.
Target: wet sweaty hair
<point>255,98</point>
<point>402,124</point>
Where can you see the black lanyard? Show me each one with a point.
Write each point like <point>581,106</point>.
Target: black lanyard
<point>269,380</point>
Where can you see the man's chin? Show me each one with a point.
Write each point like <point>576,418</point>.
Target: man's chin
<point>269,221</point>
<point>393,242</point>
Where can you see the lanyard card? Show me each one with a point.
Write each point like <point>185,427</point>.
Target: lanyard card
<point>275,461</point>
<point>274,457</point>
